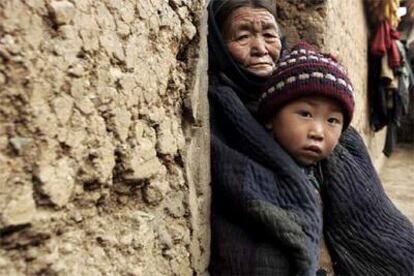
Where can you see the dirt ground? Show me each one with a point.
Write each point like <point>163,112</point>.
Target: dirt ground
<point>397,176</point>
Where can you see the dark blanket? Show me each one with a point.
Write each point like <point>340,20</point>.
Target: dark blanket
<point>266,218</point>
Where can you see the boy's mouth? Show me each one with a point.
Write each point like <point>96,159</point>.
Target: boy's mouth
<point>313,149</point>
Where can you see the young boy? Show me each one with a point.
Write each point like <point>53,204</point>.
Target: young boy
<point>308,103</point>
<point>267,216</point>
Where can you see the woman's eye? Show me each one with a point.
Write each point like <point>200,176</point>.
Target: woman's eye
<point>242,37</point>
<point>270,35</point>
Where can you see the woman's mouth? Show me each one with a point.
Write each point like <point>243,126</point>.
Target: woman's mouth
<point>260,64</point>
<point>261,68</point>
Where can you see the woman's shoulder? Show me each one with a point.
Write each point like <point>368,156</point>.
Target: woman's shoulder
<point>351,137</point>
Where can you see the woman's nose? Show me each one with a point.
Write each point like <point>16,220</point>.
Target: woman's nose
<point>258,46</point>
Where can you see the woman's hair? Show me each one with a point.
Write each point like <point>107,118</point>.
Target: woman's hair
<point>226,7</point>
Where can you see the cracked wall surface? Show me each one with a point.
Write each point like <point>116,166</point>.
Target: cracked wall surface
<point>341,28</point>
<point>103,138</point>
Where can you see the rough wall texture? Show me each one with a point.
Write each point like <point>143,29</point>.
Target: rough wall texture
<point>339,27</point>
<point>103,138</point>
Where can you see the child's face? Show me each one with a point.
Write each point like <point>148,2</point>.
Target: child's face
<point>308,128</point>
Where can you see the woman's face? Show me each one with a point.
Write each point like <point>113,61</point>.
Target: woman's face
<point>252,37</point>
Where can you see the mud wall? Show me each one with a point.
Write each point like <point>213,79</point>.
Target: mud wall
<point>341,28</point>
<point>103,138</point>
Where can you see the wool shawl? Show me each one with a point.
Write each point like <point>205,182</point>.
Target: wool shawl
<point>266,217</point>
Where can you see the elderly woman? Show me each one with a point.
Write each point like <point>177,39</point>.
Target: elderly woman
<point>244,46</point>
<point>266,218</point>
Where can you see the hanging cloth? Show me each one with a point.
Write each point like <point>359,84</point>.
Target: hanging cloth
<point>383,42</point>
<point>391,9</point>
<point>406,79</point>
<point>387,74</point>
<point>385,10</point>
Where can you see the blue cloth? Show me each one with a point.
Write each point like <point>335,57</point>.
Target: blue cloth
<point>266,218</point>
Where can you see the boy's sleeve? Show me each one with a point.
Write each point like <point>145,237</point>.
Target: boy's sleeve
<point>367,233</point>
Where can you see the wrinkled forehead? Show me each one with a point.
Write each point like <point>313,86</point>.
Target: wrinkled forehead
<point>245,17</point>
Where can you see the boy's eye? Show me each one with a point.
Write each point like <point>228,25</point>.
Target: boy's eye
<point>305,113</point>
<point>334,121</point>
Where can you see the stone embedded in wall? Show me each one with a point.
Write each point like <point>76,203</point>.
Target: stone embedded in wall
<point>62,12</point>
<point>57,181</point>
<point>63,106</point>
<point>122,121</point>
<point>179,233</point>
<point>141,161</point>
<point>127,12</point>
<point>3,79</point>
<point>19,207</point>
<point>77,69</point>
<point>167,141</point>
<point>89,34</point>
<point>85,105</point>
<point>189,30</point>
<point>155,192</point>
<point>145,138</point>
<point>136,170</point>
<point>10,45</point>
<point>175,205</point>
<point>47,121</point>
<point>104,17</point>
<point>19,144</point>
<point>98,162</point>
<point>112,45</point>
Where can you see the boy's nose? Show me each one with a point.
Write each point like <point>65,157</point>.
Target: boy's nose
<point>316,131</point>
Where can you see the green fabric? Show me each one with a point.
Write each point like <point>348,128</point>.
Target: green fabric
<point>311,172</point>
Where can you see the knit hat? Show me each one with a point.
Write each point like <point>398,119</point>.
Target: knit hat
<point>306,72</point>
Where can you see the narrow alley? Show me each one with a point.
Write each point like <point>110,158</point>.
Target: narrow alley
<point>397,176</point>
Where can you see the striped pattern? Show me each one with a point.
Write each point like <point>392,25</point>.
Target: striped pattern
<point>305,72</point>
<point>306,76</point>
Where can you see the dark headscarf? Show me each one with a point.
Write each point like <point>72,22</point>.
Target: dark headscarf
<point>222,65</point>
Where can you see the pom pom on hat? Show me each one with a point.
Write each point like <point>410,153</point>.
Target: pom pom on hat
<point>306,72</point>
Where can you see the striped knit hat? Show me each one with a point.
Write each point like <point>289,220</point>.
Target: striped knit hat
<point>305,72</point>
